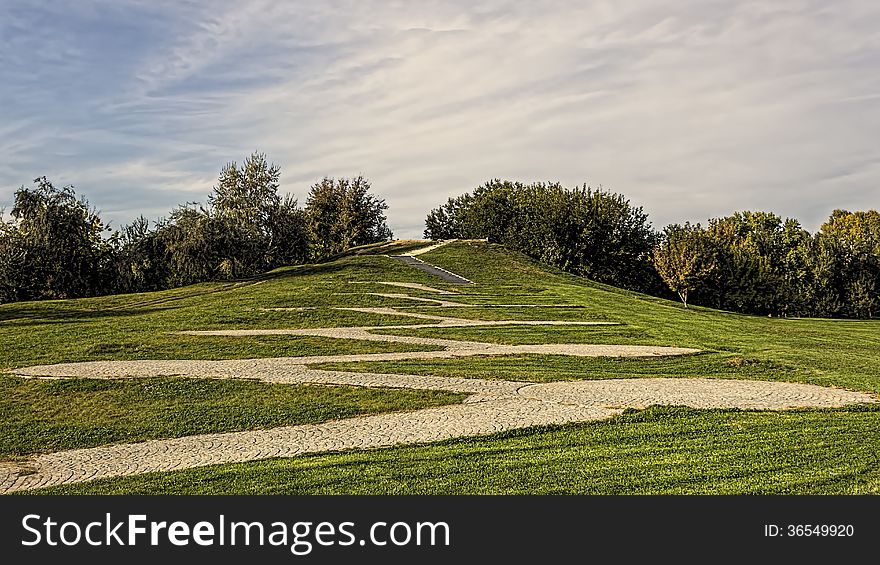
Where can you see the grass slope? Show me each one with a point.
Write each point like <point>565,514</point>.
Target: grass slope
<point>548,368</point>
<point>844,353</point>
<point>52,415</point>
<point>661,450</point>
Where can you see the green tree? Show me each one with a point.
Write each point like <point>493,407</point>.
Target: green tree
<point>287,242</point>
<point>53,245</point>
<point>243,201</point>
<point>341,213</point>
<point>588,232</point>
<point>851,244</point>
<point>246,228</point>
<point>17,276</point>
<point>139,261</point>
<point>609,240</point>
<point>197,246</point>
<point>685,259</point>
<point>445,222</point>
<point>755,251</point>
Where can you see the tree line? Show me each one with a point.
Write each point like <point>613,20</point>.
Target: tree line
<point>758,263</point>
<point>751,262</point>
<point>57,246</point>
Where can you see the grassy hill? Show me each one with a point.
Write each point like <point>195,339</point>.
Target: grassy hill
<point>659,450</point>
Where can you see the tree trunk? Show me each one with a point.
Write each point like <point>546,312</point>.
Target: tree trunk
<point>683,294</point>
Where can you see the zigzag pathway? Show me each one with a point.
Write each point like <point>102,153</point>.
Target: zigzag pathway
<point>493,405</point>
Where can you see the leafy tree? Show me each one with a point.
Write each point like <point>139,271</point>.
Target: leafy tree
<point>197,246</point>
<point>851,244</point>
<point>797,248</point>
<point>246,228</point>
<point>341,213</point>
<point>246,194</point>
<point>138,262</point>
<point>610,241</point>
<point>53,245</point>
<point>584,231</point>
<point>685,259</point>
<point>243,202</point>
<point>287,242</point>
<point>491,210</point>
<point>445,222</point>
<point>17,276</point>
<point>753,252</point>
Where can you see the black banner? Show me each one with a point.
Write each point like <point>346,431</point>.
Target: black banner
<point>428,529</point>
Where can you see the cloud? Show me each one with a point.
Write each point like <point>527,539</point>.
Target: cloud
<point>692,109</point>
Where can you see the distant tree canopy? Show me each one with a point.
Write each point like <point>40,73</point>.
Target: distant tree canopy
<point>341,213</point>
<point>588,232</point>
<point>246,228</point>
<point>685,258</point>
<point>752,262</point>
<point>757,263</point>
<point>54,246</point>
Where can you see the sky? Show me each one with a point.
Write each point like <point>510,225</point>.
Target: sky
<point>692,109</point>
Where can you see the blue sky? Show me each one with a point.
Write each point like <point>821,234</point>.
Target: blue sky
<point>692,109</point>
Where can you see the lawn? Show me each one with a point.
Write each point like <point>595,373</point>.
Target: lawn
<point>51,415</point>
<point>659,450</point>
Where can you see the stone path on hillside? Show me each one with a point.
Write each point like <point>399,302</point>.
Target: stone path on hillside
<point>492,405</point>
<point>416,286</point>
<point>428,248</point>
<point>431,269</point>
<point>431,301</point>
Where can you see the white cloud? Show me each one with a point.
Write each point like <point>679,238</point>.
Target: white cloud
<point>694,109</point>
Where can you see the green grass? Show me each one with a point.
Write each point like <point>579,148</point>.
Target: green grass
<point>173,346</point>
<point>664,450</point>
<point>843,353</point>
<point>661,450</point>
<point>838,352</point>
<point>529,335</point>
<point>549,368</point>
<point>139,326</point>
<point>52,415</point>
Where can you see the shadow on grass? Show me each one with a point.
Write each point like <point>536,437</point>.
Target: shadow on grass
<point>49,316</point>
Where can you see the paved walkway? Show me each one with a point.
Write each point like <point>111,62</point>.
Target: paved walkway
<point>492,405</point>
<point>431,301</point>
<point>431,269</point>
<point>429,247</point>
<point>416,286</point>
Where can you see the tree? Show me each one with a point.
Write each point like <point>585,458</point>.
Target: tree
<point>610,240</point>
<point>341,213</point>
<point>197,246</point>
<point>852,239</point>
<point>684,259</point>
<point>138,262</point>
<point>247,227</point>
<point>16,274</point>
<point>754,253</point>
<point>287,242</point>
<point>53,244</point>
<point>588,232</point>
<point>243,201</point>
<point>796,248</point>
<point>445,222</point>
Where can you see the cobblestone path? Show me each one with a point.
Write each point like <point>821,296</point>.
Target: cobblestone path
<point>492,405</point>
